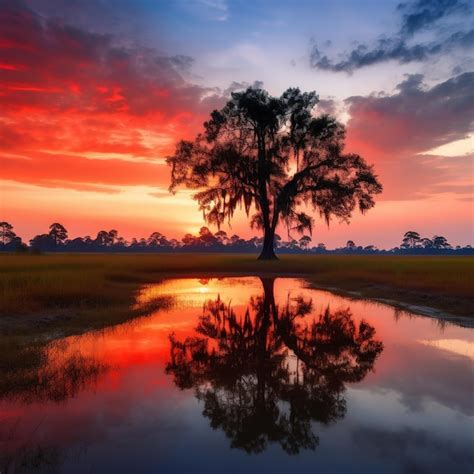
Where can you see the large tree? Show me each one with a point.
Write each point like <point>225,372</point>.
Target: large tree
<point>273,155</point>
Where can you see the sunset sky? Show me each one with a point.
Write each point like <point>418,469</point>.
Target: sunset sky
<point>94,95</point>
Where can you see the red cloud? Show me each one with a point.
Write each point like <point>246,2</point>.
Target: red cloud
<point>67,91</point>
<point>87,71</point>
<point>45,168</point>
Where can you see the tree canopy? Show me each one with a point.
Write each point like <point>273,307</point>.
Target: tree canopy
<point>271,156</point>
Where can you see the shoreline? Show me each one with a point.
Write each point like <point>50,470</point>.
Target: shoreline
<point>67,294</point>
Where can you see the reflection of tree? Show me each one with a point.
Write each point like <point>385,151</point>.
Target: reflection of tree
<point>41,373</point>
<point>267,375</point>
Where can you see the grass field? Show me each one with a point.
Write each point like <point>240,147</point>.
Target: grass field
<point>85,283</point>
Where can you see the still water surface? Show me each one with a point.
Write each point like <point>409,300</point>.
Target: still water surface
<point>247,375</point>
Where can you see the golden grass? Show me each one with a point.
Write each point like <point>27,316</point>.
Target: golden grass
<point>98,282</point>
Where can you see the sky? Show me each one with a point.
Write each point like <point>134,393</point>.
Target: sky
<point>95,94</point>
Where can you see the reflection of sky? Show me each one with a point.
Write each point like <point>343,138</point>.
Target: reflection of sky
<point>414,412</point>
<point>432,439</point>
<point>457,346</point>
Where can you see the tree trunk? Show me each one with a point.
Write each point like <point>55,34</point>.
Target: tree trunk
<point>268,251</point>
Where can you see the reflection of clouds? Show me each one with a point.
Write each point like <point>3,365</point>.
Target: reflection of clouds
<point>415,450</point>
<point>420,373</point>
<point>456,346</point>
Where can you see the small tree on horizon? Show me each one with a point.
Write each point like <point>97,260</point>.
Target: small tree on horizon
<point>58,233</point>
<point>350,245</point>
<point>271,155</point>
<point>440,242</point>
<point>6,233</point>
<point>411,239</point>
<point>304,242</point>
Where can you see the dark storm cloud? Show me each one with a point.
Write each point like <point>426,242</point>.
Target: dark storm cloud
<point>423,13</point>
<point>416,17</point>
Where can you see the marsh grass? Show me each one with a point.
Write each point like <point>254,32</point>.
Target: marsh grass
<point>43,299</point>
<point>87,284</point>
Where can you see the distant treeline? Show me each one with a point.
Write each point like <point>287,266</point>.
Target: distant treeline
<point>57,240</point>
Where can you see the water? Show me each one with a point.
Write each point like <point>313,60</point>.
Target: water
<point>245,375</point>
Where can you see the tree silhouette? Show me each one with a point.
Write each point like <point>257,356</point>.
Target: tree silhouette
<point>350,245</point>
<point>157,239</point>
<point>440,242</point>
<point>304,242</point>
<point>58,233</point>
<point>6,233</point>
<point>411,239</point>
<point>106,239</point>
<point>426,243</point>
<point>270,154</point>
<point>111,241</point>
<point>113,236</point>
<point>251,386</point>
<point>222,237</point>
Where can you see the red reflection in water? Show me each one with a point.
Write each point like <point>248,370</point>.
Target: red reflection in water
<point>133,357</point>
